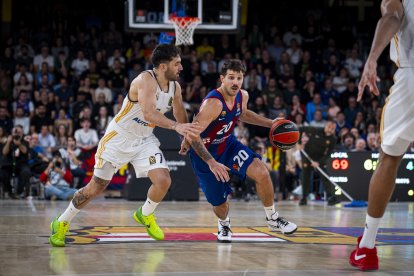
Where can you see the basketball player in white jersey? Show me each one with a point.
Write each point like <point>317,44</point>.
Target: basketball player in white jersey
<point>397,122</point>
<point>129,138</point>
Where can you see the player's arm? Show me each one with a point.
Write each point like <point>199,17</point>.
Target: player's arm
<point>388,25</point>
<point>180,114</point>
<point>209,111</point>
<point>252,117</point>
<point>143,89</point>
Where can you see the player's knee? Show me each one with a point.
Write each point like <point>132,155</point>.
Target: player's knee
<point>262,175</point>
<point>164,182</point>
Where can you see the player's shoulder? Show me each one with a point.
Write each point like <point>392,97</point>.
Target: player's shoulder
<point>144,77</point>
<point>244,93</point>
<point>177,85</point>
<point>211,106</point>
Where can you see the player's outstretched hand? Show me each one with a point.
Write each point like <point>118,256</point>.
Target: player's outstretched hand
<point>189,130</point>
<point>219,170</point>
<point>185,147</point>
<point>369,78</point>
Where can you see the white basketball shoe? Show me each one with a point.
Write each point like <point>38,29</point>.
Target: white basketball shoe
<point>281,224</point>
<point>224,232</point>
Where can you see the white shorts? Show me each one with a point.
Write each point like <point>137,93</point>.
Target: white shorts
<point>119,148</point>
<point>397,123</point>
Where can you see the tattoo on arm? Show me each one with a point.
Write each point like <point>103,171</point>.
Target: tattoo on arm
<point>201,150</point>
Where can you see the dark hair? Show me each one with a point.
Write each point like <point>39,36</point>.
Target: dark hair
<point>234,65</point>
<point>164,53</point>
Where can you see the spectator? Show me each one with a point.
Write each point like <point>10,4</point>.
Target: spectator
<point>86,88</point>
<point>61,137</point>
<point>72,158</point>
<point>372,141</point>
<point>21,119</point>
<point>360,145</point>
<point>277,108</point>
<point>103,89</point>
<point>5,121</point>
<point>354,64</point>
<point>318,120</point>
<point>87,138</point>
<point>23,72</point>
<point>64,119</point>
<point>271,91</point>
<point>333,108</point>
<point>15,157</point>
<point>44,56</point>
<point>102,121</point>
<point>80,64</point>
<point>40,119</point>
<point>24,102</point>
<point>316,104</point>
<point>47,141</point>
<point>22,85</point>
<point>63,93</point>
<point>57,180</point>
<point>117,78</point>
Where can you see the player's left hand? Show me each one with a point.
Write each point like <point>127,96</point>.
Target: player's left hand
<point>185,147</point>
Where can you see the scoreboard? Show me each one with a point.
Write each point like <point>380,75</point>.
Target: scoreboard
<point>353,170</point>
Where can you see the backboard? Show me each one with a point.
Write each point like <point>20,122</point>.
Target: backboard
<point>153,15</point>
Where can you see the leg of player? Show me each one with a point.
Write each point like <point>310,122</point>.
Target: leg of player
<point>82,197</point>
<point>224,232</point>
<point>381,187</point>
<point>161,182</point>
<point>258,172</point>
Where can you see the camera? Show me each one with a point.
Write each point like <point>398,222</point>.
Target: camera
<point>16,137</point>
<point>57,164</point>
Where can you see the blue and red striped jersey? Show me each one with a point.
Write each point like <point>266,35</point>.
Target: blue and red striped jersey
<point>220,132</point>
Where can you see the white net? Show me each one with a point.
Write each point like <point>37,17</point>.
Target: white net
<point>184,29</point>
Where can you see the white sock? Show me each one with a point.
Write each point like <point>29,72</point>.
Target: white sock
<point>69,213</point>
<point>370,232</point>
<point>149,207</point>
<point>225,222</point>
<point>270,211</point>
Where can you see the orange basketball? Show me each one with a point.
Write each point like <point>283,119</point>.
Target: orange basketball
<point>284,134</point>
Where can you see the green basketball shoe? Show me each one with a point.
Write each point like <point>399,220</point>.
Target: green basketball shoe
<point>59,229</point>
<point>150,222</point>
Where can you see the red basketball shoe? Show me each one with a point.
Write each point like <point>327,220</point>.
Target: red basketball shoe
<point>364,258</point>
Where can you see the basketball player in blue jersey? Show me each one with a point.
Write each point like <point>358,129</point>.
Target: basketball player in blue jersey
<point>395,27</point>
<point>218,151</point>
<point>129,138</point>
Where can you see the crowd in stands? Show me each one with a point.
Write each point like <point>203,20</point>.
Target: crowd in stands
<point>59,89</point>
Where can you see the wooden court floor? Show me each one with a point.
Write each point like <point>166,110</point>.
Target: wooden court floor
<point>105,240</point>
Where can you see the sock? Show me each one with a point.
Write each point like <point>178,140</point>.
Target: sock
<point>270,211</point>
<point>225,222</point>
<point>370,232</point>
<point>149,207</point>
<point>69,213</point>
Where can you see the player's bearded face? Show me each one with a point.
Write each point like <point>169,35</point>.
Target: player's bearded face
<point>174,69</point>
<point>232,82</point>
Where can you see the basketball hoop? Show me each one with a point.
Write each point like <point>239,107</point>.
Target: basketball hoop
<point>184,29</point>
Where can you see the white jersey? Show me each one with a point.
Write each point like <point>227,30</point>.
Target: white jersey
<point>130,118</point>
<point>402,45</point>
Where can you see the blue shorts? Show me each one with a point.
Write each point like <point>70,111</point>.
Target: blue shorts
<point>237,157</point>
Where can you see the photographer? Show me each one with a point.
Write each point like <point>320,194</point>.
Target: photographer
<point>57,180</point>
<point>15,155</point>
